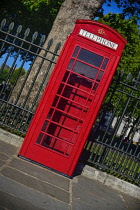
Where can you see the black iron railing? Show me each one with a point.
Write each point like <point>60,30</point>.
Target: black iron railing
<point>114,143</point>
<point>19,98</point>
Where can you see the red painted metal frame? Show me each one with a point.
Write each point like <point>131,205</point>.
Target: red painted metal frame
<point>52,139</point>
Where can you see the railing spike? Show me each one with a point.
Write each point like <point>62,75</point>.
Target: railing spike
<point>3,22</point>
<point>19,29</point>
<point>34,36</point>
<point>138,77</point>
<point>122,73</point>
<point>27,32</point>
<point>11,26</point>
<point>42,40</point>
<point>129,76</point>
<point>58,46</point>
<point>50,42</point>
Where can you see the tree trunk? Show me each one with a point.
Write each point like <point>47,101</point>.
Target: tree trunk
<point>70,11</point>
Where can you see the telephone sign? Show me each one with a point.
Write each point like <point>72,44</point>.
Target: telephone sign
<point>73,96</point>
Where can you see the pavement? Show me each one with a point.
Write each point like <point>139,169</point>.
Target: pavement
<point>25,185</point>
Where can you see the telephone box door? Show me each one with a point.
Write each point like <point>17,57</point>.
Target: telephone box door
<point>68,106</point>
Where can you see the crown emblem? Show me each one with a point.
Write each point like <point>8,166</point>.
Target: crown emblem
<point>101,31</point>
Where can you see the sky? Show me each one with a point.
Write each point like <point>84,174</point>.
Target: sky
<point>17,64</point>
<point>113,8</point>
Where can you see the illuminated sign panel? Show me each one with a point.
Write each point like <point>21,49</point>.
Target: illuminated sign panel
<point>98,39</point>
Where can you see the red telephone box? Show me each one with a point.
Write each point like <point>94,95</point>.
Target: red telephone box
<point>73,96</point>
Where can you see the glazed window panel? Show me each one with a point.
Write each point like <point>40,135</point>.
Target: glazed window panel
<point>100,76</point>
<point>90,58</point>
<point>59,131</point>
<point>64,120</point>
<point>44,126</point>
<point>71,64</point>
<point>85,70</point>
<point>80,82</point>
<point>75,94</point>
<point>75,52</point>
<point>105,63</point>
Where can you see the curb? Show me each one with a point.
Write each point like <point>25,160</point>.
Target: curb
<point>11,138</point>
<point>111,181</point>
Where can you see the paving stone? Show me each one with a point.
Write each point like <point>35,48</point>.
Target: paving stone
<point>13,203</point>
<point>8,149</point>
<point>40,173</point>
<point>3,156</point>
<point>95,205</point>
<point>96,194</point>
<point>36,184</point>
<point>2,163</point>
<point>18,195</point>
<point>131,202</point>
<point>79,205</point>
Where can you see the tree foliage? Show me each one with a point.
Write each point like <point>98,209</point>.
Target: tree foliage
<point>17,73</point>
<point>38,15</point>
<point>4,75</point>
<point>128,28</point>
<point>130,63</point>
<point>128,8</point>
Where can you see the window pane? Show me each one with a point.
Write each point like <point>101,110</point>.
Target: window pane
<point>90,58</point>
<point>95,87</point>
<point>64,119</point>
<point>55,101</point>
<point>50,114</point>
<point>85,70</point>
<point>104,64</point>
<point>65,76</point>
<point>80,82</point>
<point>75,52</point>
<point>44,126</point>
<point>100,76</point>
<point>70,64</point>
<point>39,138</point>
